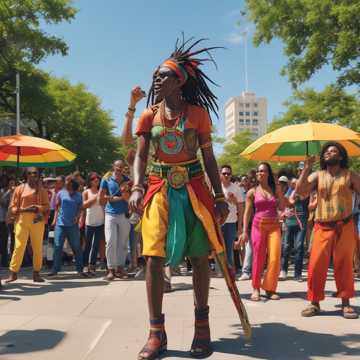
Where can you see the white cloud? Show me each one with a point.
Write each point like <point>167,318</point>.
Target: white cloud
<point>235,38</point>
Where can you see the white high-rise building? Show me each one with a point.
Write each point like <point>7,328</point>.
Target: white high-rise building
<point>245,112</point>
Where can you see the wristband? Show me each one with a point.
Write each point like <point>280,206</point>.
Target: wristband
<point>138,188</point>
<point>131,109</point>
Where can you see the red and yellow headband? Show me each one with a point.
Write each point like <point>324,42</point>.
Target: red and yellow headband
<point>177,68</point>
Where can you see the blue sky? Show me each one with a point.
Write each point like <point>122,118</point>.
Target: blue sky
<point>114,45</point>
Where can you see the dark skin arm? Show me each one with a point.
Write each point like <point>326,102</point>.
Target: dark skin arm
<point>355,182</point>
<point>307,182</point>
<point>140,163</point>
<point>211,168</point>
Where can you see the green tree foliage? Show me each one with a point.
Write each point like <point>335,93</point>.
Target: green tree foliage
<point>332,105</point>
<point>231,153</point>
<point>23,43</point>
<point>77,121</point>
<point>314,32</point>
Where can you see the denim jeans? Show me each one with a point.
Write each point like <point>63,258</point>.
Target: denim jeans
<point>246,268</point>
<point>229,234</point>
<point>93,235</point>
<point>72,233</point>
<point>293,235</point>
<point>4,239</point>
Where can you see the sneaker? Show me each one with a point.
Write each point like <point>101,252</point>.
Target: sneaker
<point>82,274</point>
<point>244,276</point>
<point>283,275</point>
<point>140,275</point>
<point>298,278</point>
<point>52,274</point>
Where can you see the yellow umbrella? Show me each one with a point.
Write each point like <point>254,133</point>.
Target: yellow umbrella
<point>295,142</point>
<point>22,151</point>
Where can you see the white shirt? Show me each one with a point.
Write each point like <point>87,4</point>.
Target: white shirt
<point>95,215</point>
<point>234,190</point>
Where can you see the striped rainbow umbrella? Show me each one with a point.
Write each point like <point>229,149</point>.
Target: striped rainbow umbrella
<point>295,142</point>
<point>22,151</point>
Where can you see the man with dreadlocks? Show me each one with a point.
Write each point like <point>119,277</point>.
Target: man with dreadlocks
<point>179,212</point>
<point>334,229</point>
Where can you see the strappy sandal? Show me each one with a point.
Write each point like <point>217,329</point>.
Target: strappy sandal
<point>201,344</point>
<point>311,310</point>
<point>272,295</point>
<point>349,312</point>
<point>255,297</point>
<point>157,341</point>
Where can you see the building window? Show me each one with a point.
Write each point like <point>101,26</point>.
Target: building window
<point>255,105</point>
<point>241,121</point>
<point>241,104</point>
<point>255,122</point>
<point>241,113</point>
<point>247,121</point>
<point>247,113</point>
<point>247,105</point>
<point>255,113</point>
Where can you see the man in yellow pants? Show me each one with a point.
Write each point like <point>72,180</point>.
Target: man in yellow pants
<point>29,204</point>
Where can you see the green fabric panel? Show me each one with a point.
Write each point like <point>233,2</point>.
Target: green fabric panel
<point>36,164</point>
<point>299,148</point>
<point>186,235</point>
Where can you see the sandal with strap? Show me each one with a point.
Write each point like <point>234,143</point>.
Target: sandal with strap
<point>349,312</point>
<point>311,310</point>
<point>272,295</point>
<point>201,344</point>
<point>157,341</point>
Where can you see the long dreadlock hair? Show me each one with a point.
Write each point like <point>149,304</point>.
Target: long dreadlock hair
<point>195,90</point>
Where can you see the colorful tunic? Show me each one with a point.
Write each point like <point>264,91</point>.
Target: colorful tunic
<point>179,217</point>
<point>334,197</point>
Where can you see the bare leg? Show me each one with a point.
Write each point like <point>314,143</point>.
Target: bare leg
<point>155,285</point>
<point>157,341</point>
<point>201,344</point>
<point>201,280</point>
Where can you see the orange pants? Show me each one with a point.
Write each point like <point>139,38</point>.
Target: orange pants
<point>340,242</point>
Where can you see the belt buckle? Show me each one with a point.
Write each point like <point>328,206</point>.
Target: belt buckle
<point>178,176</point>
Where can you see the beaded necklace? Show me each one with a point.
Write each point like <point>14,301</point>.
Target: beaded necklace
<point>171,139</point>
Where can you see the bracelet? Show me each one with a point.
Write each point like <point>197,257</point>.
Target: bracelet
<point>206,145</point>
<point>219,195</point>
<point>219,199</point>
<point>131,109</point>
<point>138,188</point>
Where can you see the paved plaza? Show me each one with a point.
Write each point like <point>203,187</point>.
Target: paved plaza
<point>90,319</point>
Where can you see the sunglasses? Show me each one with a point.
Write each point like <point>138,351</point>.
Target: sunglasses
<point>226,174</point>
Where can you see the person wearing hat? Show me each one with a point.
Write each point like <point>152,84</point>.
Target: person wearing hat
<point>284,184</point>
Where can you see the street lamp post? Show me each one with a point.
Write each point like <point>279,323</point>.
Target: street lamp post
<point>17,103</point>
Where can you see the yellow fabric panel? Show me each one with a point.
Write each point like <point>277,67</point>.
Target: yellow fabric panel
<point>206,219</point>
<point>154,224</point>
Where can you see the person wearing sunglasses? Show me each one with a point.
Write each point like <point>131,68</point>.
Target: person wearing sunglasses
<point>29,205</point>
<point>232,228</point>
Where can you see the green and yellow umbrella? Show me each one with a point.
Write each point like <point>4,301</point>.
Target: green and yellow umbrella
<point>22,151</point>
<point>295,142</point>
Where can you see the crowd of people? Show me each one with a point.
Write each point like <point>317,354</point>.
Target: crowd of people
<point>137,219</point>
<point>50,211</point>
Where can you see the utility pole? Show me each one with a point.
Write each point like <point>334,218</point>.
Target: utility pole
<point>17,103</point>
<point>245,33</point>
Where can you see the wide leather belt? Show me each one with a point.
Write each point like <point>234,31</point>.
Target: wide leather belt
<point>177,175</point>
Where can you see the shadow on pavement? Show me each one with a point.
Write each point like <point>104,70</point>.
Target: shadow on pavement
<point>26,341</point>
<point>29,289</point>
<point>282,342</point>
